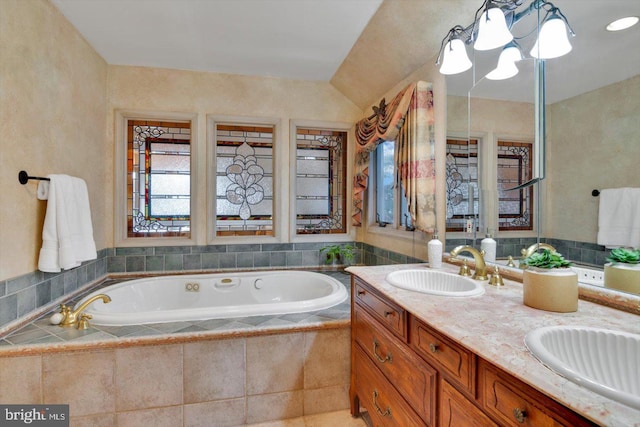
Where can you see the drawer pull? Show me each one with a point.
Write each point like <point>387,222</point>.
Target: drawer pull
<point>388,313</point>
<point>519,415</point>
<point>361,292</point>
<point>434,348</point>
<point>386,413</point>
<point>375,353</point>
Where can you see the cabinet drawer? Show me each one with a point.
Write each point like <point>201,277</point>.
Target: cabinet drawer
<point>514,403</point>
<point>410,375</point>
<point>385,405</point>
<point>456,362</point>
<point>389,314</point>
<point>457,411</point>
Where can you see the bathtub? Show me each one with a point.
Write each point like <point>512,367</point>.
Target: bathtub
<point>214,296</point>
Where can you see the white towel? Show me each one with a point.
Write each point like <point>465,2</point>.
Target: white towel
<point>67,235</point>
<point>619,218</point>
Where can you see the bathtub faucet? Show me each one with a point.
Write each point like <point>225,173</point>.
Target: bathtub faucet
<point>526,253</point>
<point>76,317</point>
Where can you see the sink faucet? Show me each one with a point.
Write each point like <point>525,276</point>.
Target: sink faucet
<point>76,317</point>
<point>481,267</point>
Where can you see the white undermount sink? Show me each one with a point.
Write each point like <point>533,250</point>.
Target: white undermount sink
<point>604,361</point>
<point>435,283</point>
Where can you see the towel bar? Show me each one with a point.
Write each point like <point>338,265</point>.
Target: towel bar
<point>24,177</point>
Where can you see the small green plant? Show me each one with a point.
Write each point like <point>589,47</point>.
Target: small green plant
<point>337,253</point>
<point>624,255</point>
<point>546,259</point>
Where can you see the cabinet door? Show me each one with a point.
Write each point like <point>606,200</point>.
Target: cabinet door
<point>516,404</point>
<point>452,360</point>
<point>386,407</point>
<point>410,375</point>
<point>457,411</point>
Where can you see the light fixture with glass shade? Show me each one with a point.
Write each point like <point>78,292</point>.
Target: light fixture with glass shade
<point>454,53</point>
<point>507,67</point>
<point>552,41</point>
<point>493,29</point>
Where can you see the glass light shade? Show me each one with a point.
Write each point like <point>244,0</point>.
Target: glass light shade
<point>506,63</point>
<point>553,41</point>
<point>454,58</point>
<point>492,30</point>
<point>503,71</point>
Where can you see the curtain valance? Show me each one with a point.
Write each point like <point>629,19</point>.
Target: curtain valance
<point>408,120</point>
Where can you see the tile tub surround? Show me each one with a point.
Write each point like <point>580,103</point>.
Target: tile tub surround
<point>217,372</point>
<point>223,382</point>
<point>494,325</point>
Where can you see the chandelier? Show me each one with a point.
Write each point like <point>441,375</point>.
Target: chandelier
<point>492,30</point>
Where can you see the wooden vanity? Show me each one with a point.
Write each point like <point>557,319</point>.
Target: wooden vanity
<point>406,372</point>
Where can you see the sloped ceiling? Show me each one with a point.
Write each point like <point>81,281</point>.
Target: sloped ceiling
<point>400,38</point>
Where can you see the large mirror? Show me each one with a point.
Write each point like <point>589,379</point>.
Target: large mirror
<point>592,119</point>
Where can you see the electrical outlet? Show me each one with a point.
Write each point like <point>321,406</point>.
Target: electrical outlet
<point>589,276</point>
<point>470,226</point>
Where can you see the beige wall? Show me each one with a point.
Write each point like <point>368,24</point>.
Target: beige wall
<point>52,104</point>
<point>592,143</point>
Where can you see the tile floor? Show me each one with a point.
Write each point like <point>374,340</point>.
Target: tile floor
<point>329,419</point>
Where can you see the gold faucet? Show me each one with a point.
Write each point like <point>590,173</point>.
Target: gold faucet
<point>76,317</point>
<point>534,248</point>
<point>481,267</point>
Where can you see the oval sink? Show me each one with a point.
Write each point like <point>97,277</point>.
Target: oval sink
<point>435,283</point>
<point>604,361</point>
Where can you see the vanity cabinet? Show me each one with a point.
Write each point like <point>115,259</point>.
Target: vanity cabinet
<point>405,373</point>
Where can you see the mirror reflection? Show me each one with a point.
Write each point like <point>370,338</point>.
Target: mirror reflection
<point>591,139</point>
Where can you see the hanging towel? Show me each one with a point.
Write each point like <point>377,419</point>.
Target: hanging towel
<point>67,235</point>
<point>619,218</point>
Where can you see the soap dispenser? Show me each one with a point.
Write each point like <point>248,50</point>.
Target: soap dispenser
<point>488,245</point>
<point>434,251</point>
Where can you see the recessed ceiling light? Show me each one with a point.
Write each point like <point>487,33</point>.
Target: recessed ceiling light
<point>622,23</point>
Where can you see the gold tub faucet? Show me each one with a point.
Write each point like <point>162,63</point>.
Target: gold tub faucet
<point>76,317</point>
<point>478,256</point>
<point>534,248</point>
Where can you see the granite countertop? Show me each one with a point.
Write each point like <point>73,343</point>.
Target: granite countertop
<point>494,325</point>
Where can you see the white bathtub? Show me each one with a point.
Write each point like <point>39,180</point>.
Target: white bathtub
<point>214,296</point>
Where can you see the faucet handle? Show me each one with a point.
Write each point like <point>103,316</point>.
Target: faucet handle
<point>464,269</point>
<point>83,323</point>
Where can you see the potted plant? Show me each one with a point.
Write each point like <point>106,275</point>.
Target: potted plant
<point>623,270</point>
<point>548,282</point>
<point>336,254</point>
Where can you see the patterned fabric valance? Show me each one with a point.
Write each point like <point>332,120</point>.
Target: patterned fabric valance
<point>408,120</point>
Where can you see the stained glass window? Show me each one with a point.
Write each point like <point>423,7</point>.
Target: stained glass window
<point>320,181</point>
<point>462,182</point>
<point>244,180</point>
<point>514,168</point>
<point>158,178</point>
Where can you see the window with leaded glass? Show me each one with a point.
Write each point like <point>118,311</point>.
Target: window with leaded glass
<point>391,204</point>
<point>158,178</point>
<point>462,182</point>
<point>515,207</point>
<point>244,179</point>
<point>321,171</point>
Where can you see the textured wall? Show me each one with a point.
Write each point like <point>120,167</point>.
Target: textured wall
<point>592,143</point>
<point>52,104</point>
